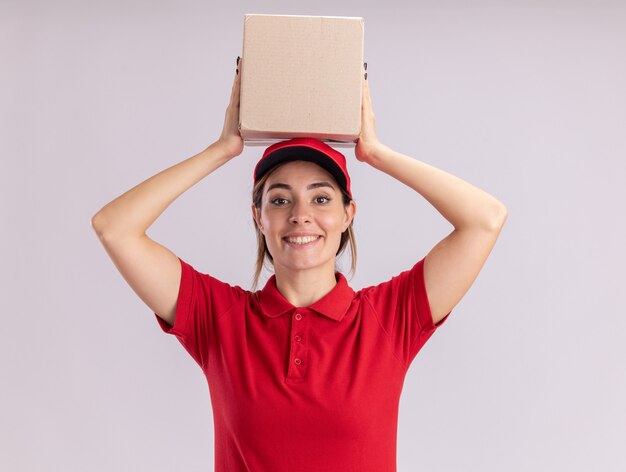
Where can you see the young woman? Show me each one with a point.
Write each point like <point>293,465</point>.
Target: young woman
<point>305,374</point>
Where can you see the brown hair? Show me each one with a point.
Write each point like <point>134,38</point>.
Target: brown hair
<point>263,252</point>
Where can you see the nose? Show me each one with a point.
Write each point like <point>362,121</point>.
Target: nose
<point>300,212</point>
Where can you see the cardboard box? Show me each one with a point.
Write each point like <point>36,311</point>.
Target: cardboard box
<point>301,76</point>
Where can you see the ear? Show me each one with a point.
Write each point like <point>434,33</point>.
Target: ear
<point>349,213</point>
<point>257,217</point>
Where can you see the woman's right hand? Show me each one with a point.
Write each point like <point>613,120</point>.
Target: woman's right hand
<point>230,140</point>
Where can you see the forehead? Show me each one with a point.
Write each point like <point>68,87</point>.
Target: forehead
<point>299,170</point>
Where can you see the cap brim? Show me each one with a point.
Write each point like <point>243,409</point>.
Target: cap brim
<point>300,153</point>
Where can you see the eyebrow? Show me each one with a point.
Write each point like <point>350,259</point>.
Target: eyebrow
<point>309,187</point>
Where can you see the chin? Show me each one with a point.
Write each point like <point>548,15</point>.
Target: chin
<point>305,264</point>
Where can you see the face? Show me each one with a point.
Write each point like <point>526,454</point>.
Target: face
<point>302,199</point>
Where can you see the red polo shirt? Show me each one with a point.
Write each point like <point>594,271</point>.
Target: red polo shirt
<point>309,389</point>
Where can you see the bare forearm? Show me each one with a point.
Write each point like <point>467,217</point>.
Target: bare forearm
<point>134,211</point>
<point>459,202</point>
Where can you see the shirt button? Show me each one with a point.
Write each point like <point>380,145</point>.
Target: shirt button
<point>297,361</point>
<point>298,316</point>
<point>298,338</point>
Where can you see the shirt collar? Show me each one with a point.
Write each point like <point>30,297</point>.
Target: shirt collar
<point>333,305</point>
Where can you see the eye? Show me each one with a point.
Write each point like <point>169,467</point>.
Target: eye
<point>275,200</point>
<point>324,198</point>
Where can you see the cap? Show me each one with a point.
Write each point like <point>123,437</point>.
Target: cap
<point>305,149</point>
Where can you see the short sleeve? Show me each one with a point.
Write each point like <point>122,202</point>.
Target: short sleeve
<point>201,300</point>
<point>402,307</point>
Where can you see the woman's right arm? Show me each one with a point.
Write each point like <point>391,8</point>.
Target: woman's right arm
<point>152,270</point>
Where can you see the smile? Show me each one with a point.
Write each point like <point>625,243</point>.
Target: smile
<point>302,241</point>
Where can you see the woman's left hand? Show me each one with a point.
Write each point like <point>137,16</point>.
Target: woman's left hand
<point>368,143</point>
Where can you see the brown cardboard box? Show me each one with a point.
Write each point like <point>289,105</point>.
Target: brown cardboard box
<point>301,76</point>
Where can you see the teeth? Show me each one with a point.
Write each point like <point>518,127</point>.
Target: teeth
<point>303,240</point>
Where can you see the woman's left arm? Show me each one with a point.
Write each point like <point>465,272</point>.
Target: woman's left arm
<point>452,265</point>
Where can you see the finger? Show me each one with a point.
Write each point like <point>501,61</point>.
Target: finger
<point>237,82</point>
<point>234,94</point>
<point>364,79</point>
<point>365,103</point>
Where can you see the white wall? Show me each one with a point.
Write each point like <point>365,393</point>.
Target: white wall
<point>524,99</point>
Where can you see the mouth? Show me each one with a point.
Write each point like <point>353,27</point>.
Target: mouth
<point>302,242</point>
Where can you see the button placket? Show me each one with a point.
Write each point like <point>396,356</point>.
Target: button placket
<point>297,357</point>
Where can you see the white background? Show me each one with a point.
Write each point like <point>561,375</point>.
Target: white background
<point>524,99</point>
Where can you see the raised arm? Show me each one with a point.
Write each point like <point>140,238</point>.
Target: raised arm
<point>152,270</point>
<point>453,264</point>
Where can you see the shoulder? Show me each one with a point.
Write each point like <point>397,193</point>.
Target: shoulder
<point>210,286</point>
<point>395,284</point>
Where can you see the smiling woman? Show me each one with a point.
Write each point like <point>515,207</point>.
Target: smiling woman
<point>305,374</point>
<point>301,187</point>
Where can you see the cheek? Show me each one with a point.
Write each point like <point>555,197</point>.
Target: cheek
<point>273,225</point>
<point>267,219</point>
<point>333,222</point>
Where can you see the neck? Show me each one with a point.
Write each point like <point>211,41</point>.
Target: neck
<point>304,287</point>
